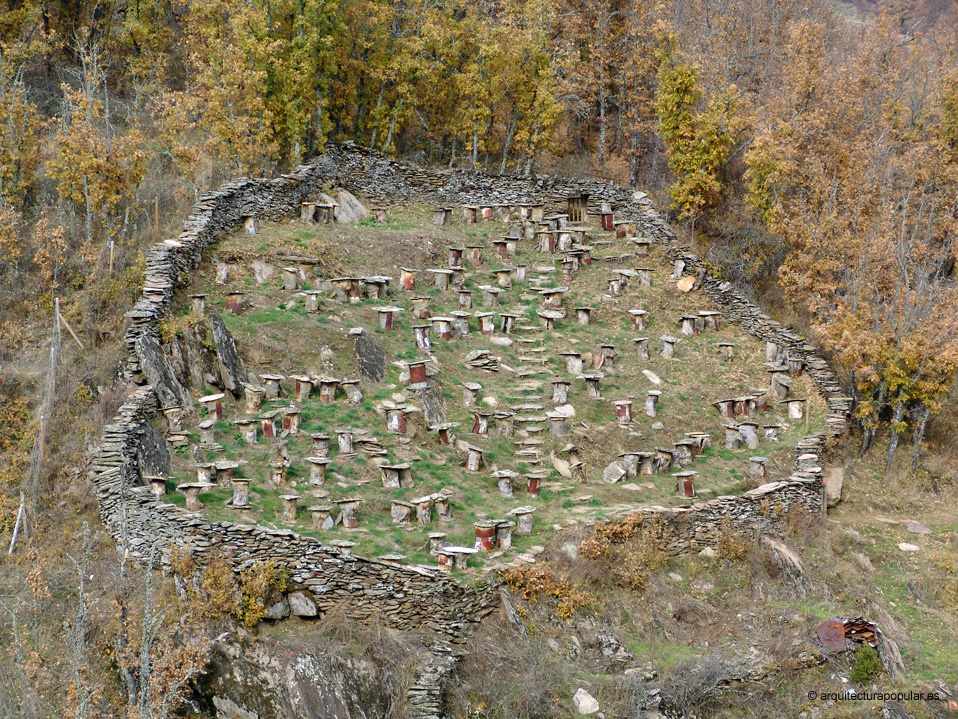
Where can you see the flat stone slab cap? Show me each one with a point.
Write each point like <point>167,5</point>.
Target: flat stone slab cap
<point>289,497</point>
<point>686,473</point>
<point>272,377</point>
<point>459,550</point>
<point>486,523</point>
<point>207,423</point>
<point>318,460</point>
<point>341,543</point>
<point>212,397</point>
<point>669,338</point>
<point>226,464</point>
<point>521,510</point>
<point>551,314</point>
<point>758,459</point>
<point>385,309</point>
<point>352,500</point>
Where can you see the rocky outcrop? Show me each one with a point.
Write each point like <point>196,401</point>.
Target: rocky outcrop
<point>257,680</point>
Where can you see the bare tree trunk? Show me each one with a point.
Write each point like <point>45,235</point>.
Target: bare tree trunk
<point>379,104</point>
<point>392,128</point>
<point>76,630</point>
<point>868,434</point>
<point>509,134</point>
<point>531,155</point>
<point>893,434</point>
<point>920,417</point>
<point>602,119</point>
<point>634,160</point>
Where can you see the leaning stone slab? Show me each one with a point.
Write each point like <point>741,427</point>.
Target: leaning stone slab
<point>160,374</point>
<point>232,370</point>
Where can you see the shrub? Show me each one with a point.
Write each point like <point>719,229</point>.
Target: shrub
<point>866,665</point>
<point>731,546</point>
<point>531,582</point>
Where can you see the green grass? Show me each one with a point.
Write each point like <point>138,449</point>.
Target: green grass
<point>289,341</point>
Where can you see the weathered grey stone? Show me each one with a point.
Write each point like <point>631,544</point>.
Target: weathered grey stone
<point>260,680</point>
<point>152,453</point>
<point>585,703</point>
<point>262,271</point>
<point>160,374</point>
<point>300,605</point>
<point>370,358</point>
<point>613,473</point>
<point>232,369</point>
<point>834,479</point>
<point>278,610</point>
<point>350,209</point>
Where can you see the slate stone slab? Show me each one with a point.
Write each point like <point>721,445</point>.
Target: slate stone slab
<point>371,359</point>
<point>160,374</point>
<point>152,453</point>
<point>232,369</point>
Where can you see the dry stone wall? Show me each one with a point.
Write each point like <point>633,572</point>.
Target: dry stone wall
<point>406,597</point>
<point>762,510</point>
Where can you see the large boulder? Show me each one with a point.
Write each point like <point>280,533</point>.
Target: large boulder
<point>585,703</point>
<point>302,605</point>
<point>834,479</point>
<point>350,209</point>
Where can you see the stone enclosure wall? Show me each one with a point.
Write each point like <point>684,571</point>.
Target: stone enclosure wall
<point>405,597</point>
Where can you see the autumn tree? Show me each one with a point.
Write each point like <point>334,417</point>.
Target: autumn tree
<point>699,134</point>
<point>98,165</point>
<point>850,170</point>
